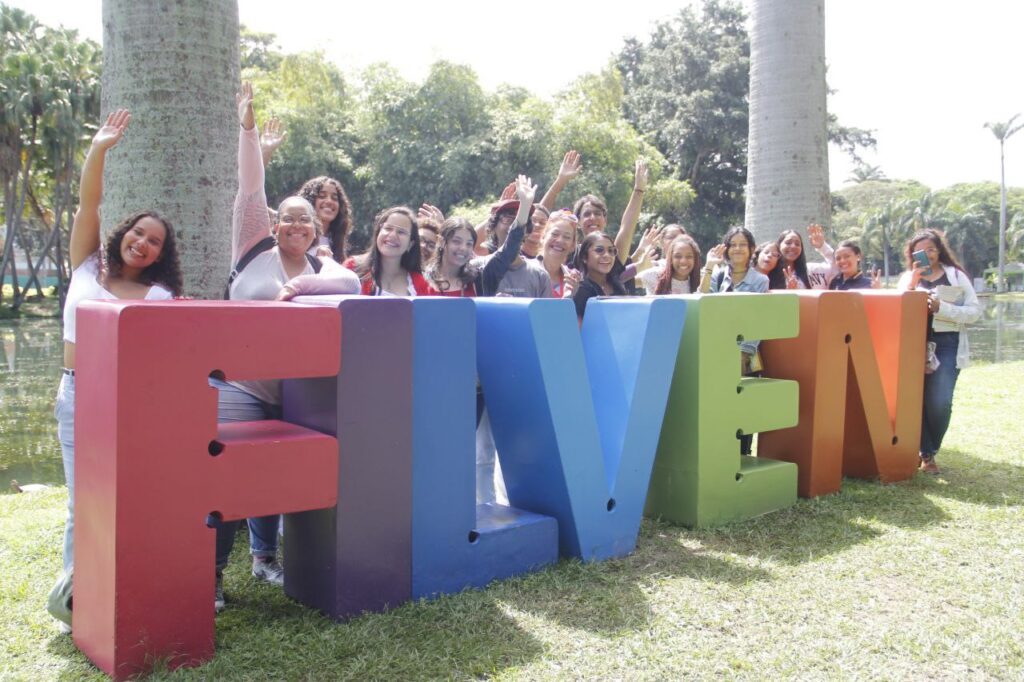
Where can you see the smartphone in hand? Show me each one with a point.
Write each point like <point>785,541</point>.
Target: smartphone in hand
<point>922,258</point>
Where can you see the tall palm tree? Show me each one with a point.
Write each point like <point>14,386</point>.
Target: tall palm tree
<point>865,172</point>
<point>175,66</point>
<point>787,174</point>
<point>1003,131</point>
<point>888,226</point>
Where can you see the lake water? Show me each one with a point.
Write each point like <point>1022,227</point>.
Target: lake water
<point>32,350</point>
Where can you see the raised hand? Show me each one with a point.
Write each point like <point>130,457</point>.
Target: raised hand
<point>716,256</point>
<point>816,235</point>
<point>509,192</point>
<point>112,130</point>
<point>525,191</point>
<point>792,282</point>
<point>649,238</point>
<point>571,166</point>
<point>272,136</point>
<point>243,99</point>
<point>640,183</point>
<point>432,212</point>
<point>876,279</point>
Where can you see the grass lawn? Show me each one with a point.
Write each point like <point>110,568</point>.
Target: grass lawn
<point>921,579</point>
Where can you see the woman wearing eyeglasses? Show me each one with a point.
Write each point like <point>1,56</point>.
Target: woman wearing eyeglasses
<point>952,305</point>
<point>599,267</point>
<point>270,263</point>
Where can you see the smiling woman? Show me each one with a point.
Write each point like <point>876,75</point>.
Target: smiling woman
<point>271,262</point>
<point>140,261</point>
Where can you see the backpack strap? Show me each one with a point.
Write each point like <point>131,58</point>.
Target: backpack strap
<point>261,246</point>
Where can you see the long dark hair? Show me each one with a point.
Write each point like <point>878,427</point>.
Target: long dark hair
<point>166,271</point>
<point>777,277</point>
<point>337,230</point>
<point>467,273</point>
<point>664,284</point>
<point>368,265</point>
<point>946,255</point>
<point>617,267</point>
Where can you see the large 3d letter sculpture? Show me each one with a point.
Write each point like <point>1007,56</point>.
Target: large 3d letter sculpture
<point>699,478</point>
<point>859,359</point>
<point>576,412</point>
<point>152,463</point>
<point>407,524</point>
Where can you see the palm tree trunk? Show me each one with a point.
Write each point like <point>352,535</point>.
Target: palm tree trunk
<point>787,175</point>
<point>1001,287</point>
<point>175,66</point>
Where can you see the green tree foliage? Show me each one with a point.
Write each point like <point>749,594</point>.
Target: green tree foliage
<point>313,100</point>
<point>49,103</point>
<point>588,119</point>
<point>686,91</point>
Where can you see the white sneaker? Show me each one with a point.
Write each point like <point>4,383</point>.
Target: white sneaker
<point>269,570</point>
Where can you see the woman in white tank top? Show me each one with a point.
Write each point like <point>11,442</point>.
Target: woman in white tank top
<point>139,261</point>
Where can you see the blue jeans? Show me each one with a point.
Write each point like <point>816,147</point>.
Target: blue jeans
<point>938,392</point>
<point>235,405</point>
<point>64,411</point>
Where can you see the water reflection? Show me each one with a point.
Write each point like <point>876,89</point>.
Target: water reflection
<point>998,336</point>
<point>32,351</point>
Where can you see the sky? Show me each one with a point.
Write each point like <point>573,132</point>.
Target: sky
<point>924,76</point>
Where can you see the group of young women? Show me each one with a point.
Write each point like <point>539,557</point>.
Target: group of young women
<point>524,249</point>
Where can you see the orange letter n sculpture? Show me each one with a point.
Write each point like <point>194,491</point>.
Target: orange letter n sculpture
<point>152,463</point>
<point>859,359</point>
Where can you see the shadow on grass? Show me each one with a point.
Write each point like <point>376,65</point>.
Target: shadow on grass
<point>263,635</point>
<point>605,598</point>
<point>974,480</point>
<point>818,527</point>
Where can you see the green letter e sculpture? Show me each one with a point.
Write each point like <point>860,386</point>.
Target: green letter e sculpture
<point>699,477</point>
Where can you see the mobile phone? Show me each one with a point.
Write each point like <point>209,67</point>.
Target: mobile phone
<point>922,258</point>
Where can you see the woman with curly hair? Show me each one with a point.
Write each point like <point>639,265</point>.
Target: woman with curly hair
<point>139,261</point>
<point>326,195</point>
<point>449,272</point>
<point>334,211</point>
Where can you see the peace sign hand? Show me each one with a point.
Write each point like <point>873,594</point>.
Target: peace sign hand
<point>876,279</point>
<point>791,279</point>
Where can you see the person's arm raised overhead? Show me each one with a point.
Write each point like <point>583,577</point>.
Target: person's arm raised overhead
<point>85,230</point>
<point>250,221</point>
<point>571,166</point>
<point>624,238</point>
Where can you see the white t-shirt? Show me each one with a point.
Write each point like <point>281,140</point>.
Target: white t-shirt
<point>85,286</point>
<point>649,278</point>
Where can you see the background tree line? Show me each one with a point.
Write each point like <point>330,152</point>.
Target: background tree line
<point>678,98</point>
